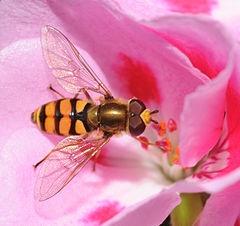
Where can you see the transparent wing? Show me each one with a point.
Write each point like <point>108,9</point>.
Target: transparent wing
<point>64,162</point>
<point>69,68</point>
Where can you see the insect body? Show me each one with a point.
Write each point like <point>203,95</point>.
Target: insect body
<point>78,117</point>
<point>63,117</point>
<point>88,125</point>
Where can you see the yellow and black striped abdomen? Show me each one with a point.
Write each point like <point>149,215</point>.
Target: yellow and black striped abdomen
<point>63,117</point>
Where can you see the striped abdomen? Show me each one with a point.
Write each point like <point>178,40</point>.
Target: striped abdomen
<point>64,117</point>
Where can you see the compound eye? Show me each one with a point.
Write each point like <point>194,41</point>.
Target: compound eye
<point>136,106</point>
<point>136,125</point>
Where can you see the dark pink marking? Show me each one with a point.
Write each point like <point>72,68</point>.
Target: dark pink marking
<point>138,79</point>
<point>191,6</point>
<point>210,167</point>
<point>105,211</point>
<point>233,117</point>
<point>237,223</point>
<point>198,57</point>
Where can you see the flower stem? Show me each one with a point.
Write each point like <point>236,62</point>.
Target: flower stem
<point>186,213</point>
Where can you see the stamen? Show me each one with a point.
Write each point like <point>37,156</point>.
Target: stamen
<point>216,161</point>
<point>175,156</point>
<point>171,125</point>
<point>144,141</point>
<point>162,129</point>
<point>164,144</point>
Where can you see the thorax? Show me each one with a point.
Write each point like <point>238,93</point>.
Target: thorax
<point>110,116</point>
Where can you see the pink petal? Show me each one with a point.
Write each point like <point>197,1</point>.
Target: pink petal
<point>222,209</point>
<point>188,6</point>
<point>164,202</point>
<point>23,19</point>
<point>136,214</point>
<point>17,206</point>
<point>202,118</point>
<point>102,213</point>
<point>211,60</point>
<point>135,73</point>
<point>23,88</point>
<point>136,56</point>
<point>151,9</point>
<point>17,175</point>
<point>205,41</point>
<point>228,13</point>
<point>93,191</point>
<point>139,10</point>
<point>233,112</point>
<point>222,182</point>
<point>153,211</point>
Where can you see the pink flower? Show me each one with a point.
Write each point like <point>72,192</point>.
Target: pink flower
<point>199,54</point>
<point>166,64</point>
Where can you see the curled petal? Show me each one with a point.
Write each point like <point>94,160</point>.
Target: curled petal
<point>202,118</point>
<point>145,213</point>
<point>136,214</point>
<point>151,9</point>
<point>188,34</point>
<point>233,112</point>
<point>217,211</point>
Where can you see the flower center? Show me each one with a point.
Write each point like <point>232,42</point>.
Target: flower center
<point>165,148</point>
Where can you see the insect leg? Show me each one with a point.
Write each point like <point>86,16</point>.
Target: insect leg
<point>55,91</point>
<point>42,160</point>
<point>95,160</point>
<point>108,136</point>
<point>84,90</point>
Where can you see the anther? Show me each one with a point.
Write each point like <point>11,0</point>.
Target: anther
<point>162,129</point>
<point>171,125</point>
<point>175,156</point>
<point>144,141</point>
<point>164,144</point>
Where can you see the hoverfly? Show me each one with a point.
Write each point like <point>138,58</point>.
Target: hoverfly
<point>87,125</point>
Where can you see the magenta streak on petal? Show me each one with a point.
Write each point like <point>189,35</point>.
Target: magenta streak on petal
<point>202,131</point>
<point>237,223</point>
<point>233,106</point>
<point>196,6</point>
<point>198,57</point>
<point>138,79</point>
<point>103,212</point>
<point>151,211</point>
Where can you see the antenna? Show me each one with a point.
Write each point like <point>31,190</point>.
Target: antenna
<point>154,112</point>
<point>154,121</point>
